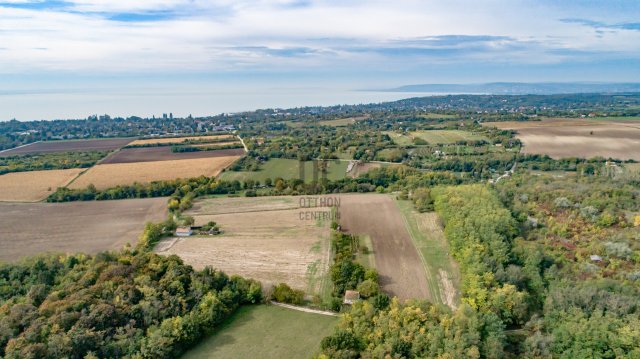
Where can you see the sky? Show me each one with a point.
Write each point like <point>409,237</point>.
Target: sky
<point>74,58</point>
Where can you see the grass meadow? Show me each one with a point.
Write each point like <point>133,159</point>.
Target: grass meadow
<point>266,332</point>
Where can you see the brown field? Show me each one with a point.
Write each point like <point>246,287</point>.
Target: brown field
<point>176,139</point>
<point>151,154</point>
<point>585,138</point>
<point>34,186</point>
<point>400,267</point>
<point>109,144</point>
<point>264,238</point>
<point>110,175</point>
<point>90,227</point>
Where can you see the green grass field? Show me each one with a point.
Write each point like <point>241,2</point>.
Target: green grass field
<point>287,169</point>
<point>435,137</point>
<point>266,331</point>
<point>432,116</point>
<point>428,237</point>
<point>340,122</point>
<point>447,136</point>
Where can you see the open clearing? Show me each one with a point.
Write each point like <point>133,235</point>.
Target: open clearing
<point>266,332</point>
<point>30,228</point>
<point>152,141</point>
<point>109,144</point>
<point>288,169</point>
<point>264,238</point>
<point>402,273</point>
<point>150,154</point>
<point>110,175</point>
<point>586,138</point>
<point>34,186</point>
<point>442,271</point>
<point>435,137</point>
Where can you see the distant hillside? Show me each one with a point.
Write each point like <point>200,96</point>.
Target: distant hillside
<point>517,88</point>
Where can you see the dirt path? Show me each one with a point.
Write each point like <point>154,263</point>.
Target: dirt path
<point>397,261</point>
<point>306,310</point>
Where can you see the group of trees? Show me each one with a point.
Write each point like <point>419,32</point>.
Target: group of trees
<point>414,330</point>
<point>49,161</point>
<point>480,232</point>
<point>348,274</point>
<point>115,304</point>
<point>587,308</point>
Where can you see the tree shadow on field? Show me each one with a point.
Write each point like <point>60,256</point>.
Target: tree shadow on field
<point>385,281</point>
<point>218,337</point>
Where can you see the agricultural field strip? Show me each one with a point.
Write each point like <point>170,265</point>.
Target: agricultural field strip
<point>432,239</point>
<point>34,186</point>
<point>27,229</point>
<point>109,175</point>
<point>397,262</point>
<point>176,140</point>
<point>433,288</point>
<point>68,146</point>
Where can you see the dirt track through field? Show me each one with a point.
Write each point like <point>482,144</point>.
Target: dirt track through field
<point>397,261</point>
<point>88,227</point>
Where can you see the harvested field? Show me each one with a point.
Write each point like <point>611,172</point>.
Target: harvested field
<point>89,227</point>
<point>34,186</point>
<point>561,138</point>
<point>402,273</point>
<point>150,154</point>
<point>110,175</point>
<point>264,238</point>
<point>108,144</point>
<point>152,141</point>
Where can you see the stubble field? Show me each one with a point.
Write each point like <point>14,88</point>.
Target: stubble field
<point>30,228</point>
<point>585,138</point>
<point>176,140</point>
<point>34,186</point>
<point>264,239</point>
<point>110,175</point>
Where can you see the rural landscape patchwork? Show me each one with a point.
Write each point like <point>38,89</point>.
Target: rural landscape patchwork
<point>316,179</point>
<point>506,228</point>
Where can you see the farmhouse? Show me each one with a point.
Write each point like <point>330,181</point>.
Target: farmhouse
<point>351,296</point>
<point>184,231</point>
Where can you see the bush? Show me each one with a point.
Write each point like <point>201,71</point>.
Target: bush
<point>285,294</point>
<point>368,288</point>
<point>562,202</point>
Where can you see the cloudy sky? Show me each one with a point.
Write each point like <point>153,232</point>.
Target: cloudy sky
<point>72,58</point>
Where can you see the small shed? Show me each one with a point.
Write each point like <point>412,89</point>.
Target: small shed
<point>184,231</point>
<point>595,258</point>
<point>351,296</point>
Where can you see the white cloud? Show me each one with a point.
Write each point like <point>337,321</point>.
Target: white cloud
<point>221,35</point>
